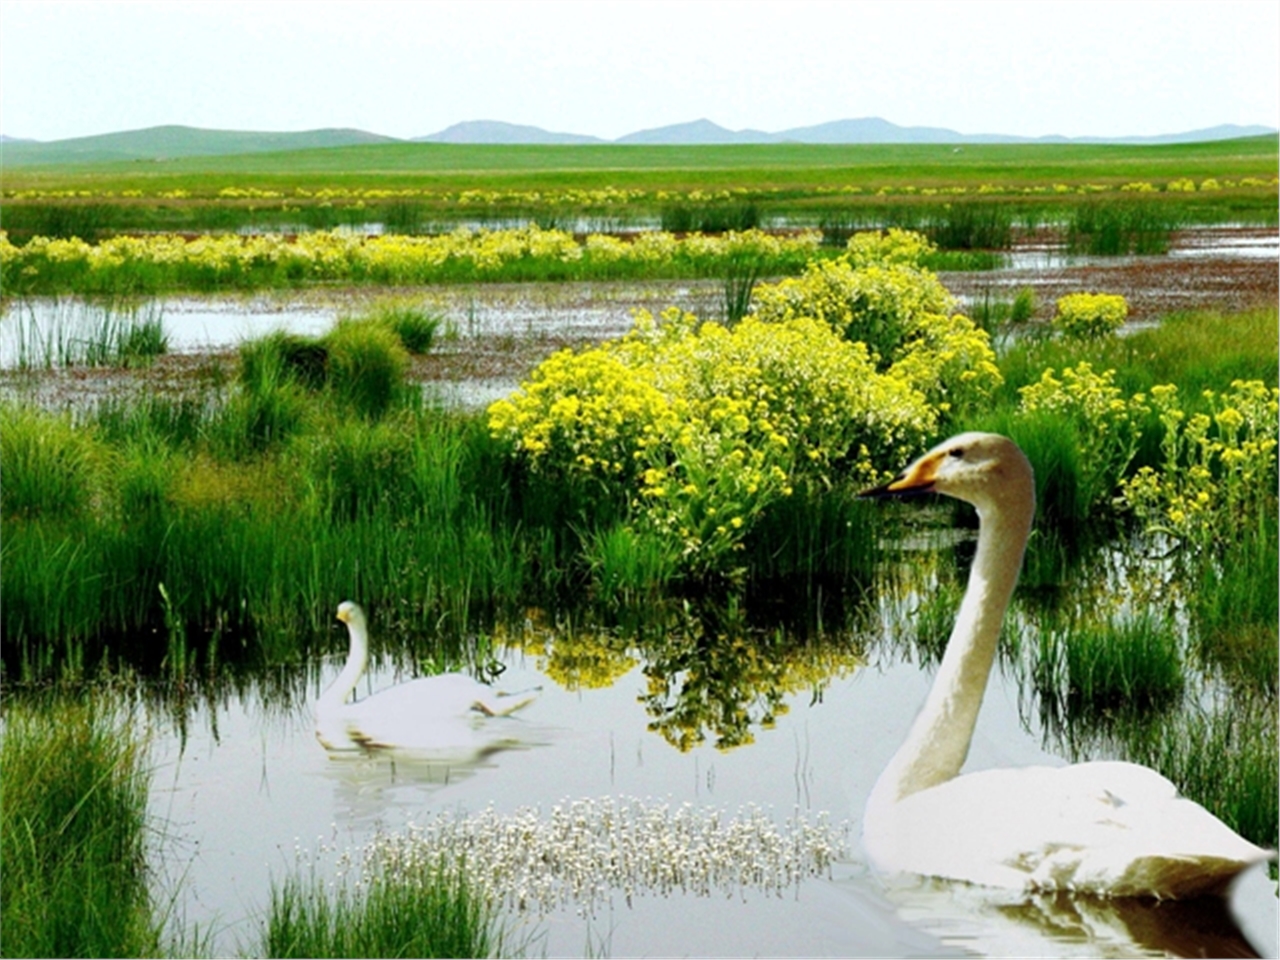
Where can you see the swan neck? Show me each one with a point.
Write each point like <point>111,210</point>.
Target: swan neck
<point>938,744</point>
<point>352,670</point>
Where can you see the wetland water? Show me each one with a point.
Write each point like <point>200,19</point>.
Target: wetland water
<point>244,789</point>
<point>246,786</point>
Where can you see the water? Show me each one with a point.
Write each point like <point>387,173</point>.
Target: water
<point>247,793</point>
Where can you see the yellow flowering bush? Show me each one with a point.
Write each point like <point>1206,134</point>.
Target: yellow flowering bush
<point>1090,316</point>
<point>1111,423</point>
<point>877,294</point>
<point>159,262</point>
<point>697,428</point>
<point>1219,469</point>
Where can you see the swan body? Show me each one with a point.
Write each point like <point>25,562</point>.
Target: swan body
<point>432,713</point>
<point>1107,828</point>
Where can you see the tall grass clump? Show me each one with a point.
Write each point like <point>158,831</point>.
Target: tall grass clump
<point>428,911</point>
<point>48,466</point>
<point>73,829</point>
<point>416,328</point>
<point>1117,228</point>
<point>270,403</point>
<point>367,364</point>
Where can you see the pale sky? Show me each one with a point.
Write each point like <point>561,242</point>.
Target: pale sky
<point>609,68</point>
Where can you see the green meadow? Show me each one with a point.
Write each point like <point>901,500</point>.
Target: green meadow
<point>415,186</point>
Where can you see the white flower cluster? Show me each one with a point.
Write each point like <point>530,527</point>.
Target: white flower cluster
<point>588,850</point>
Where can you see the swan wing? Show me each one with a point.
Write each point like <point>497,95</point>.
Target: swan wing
<point>1108,828</point>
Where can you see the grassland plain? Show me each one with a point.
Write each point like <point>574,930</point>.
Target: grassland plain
<point>423,182</point>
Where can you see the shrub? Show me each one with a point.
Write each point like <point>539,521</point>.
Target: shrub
<point>697,428</point>
<point>877,294</point>
<point>1090,316</point>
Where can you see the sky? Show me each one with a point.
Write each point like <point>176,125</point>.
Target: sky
<point>1116,68</point>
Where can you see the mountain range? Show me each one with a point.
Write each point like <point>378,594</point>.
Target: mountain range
<point>168,142</point>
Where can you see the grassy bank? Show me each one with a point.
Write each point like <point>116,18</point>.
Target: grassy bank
<point>74,836</point>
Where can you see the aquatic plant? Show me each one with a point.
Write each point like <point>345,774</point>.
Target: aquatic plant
<point>583,853</point>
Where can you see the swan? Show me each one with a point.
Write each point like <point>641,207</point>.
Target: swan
<point>431,713</point>
<point>1107,828</point>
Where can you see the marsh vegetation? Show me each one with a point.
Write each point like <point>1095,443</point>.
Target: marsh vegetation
<point>674,508</point>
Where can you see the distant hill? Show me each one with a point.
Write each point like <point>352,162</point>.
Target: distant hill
<point>495,131</point>
<point>699,131</point>
<point>169,142</point>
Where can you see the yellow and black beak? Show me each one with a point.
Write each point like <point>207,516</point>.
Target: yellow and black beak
<point>916,479</point>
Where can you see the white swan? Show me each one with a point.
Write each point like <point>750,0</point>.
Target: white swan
<point>431,713</point>
<point>1109,828</point>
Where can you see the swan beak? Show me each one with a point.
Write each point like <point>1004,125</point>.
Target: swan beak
<point>915,479</point>
<point>344,616</point>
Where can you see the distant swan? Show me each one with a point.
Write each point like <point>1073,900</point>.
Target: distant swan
<point>426,714</point>
<point>1109,828</point>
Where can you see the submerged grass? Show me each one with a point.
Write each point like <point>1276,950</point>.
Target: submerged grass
<point>73,826</point>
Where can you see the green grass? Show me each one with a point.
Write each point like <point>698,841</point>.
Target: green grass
<point>432,913</point>
<point>1197,350</point>
<point>1104,669</point>
<point>1236,608</point>
<point>73,829</point>
<point>693,187</point>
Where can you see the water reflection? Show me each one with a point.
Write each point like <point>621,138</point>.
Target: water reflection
<point>708,674</point>
<point>997,923</point>
<point>366,784</point>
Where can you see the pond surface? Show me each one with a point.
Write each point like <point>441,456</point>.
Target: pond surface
<point>248,794</point>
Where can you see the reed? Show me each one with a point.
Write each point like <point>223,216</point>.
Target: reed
<point>1119,228</point>
<point>73,825</point>
<point>429,911</point>
<point>1127,667</point>
<point>972,226</point>
<point>71,333</point>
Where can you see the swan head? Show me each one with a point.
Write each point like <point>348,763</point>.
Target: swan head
<point>984,469</point>
<point>351,614</point>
